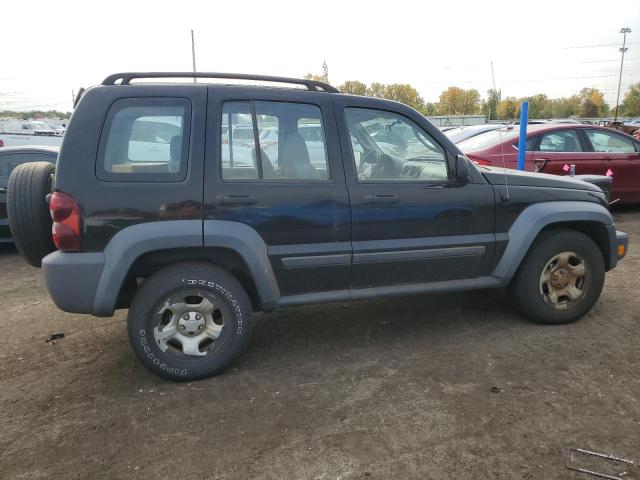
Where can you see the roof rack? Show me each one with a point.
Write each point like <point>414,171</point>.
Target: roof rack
<point>312,85</point>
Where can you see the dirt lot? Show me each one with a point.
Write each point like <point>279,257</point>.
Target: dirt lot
<point>446,386</point>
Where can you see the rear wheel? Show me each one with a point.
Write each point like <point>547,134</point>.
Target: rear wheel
<point>560,279</point>
<point>29,218</point>
<point>189,321</point>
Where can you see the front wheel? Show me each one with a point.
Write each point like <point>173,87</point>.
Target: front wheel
<point>560,279</point>
<point>189,321</point>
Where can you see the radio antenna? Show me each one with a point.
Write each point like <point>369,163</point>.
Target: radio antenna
<point>506,197</point>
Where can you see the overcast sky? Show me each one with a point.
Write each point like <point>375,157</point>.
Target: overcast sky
<point>553,47</point>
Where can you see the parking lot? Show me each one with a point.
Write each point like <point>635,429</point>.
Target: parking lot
<point>443,386</point>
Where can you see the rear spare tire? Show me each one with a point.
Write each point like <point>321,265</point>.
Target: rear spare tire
<point>29,218</point>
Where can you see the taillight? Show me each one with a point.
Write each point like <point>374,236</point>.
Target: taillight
<point>66,222</point>
<point>1,143</point>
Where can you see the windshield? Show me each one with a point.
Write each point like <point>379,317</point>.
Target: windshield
<point>487,139</point>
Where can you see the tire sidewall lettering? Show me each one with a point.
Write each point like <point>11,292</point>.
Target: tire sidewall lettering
<point>237,311</point>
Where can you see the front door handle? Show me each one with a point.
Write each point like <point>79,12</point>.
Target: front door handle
<point>381,199</point>
<point>237,199</point>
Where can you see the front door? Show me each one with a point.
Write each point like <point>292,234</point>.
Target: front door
<point>273,162</point>
<point>411,223</point>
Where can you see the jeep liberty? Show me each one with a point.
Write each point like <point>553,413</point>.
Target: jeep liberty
<point>195,205</point>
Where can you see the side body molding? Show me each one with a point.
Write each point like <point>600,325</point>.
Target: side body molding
<point>535,217</point>
<point>249,245</point>
<point>131,242</point>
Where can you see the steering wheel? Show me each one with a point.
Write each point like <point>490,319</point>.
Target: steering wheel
<point>368,163</point>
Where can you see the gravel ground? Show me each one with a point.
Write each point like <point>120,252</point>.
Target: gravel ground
<point>443,386</point>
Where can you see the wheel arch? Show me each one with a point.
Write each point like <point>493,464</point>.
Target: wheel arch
<point>150,262</point>
<point>592,219</point>
<point>231,245</point>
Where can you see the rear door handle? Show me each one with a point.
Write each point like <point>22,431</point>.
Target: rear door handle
<point>381,199</point>
<point>237,199</point>
<point>3,190</point>
<point>540,163</point>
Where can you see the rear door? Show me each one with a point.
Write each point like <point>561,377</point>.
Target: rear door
<point>273,162</point>
<point>619,156</point>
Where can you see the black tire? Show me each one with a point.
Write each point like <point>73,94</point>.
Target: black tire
<point>530,296</point>
<point>189,280</point>
<point>29,218</point>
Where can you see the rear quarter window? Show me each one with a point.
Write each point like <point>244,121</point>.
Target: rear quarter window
<point>145,139</point>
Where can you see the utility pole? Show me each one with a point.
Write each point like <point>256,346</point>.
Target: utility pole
<point>624,48</point>
<point>193,56</point>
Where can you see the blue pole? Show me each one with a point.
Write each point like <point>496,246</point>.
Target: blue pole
<point>522,142</point>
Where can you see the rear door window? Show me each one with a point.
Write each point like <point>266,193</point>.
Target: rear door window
<point>273,141</point>
<point>609,142</point>
<point>145,139</point>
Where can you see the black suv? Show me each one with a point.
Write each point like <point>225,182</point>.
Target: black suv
<point>195,205</point>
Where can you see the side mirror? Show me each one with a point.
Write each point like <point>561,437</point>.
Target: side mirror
<point>462,169</point>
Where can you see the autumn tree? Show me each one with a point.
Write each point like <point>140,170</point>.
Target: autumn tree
<point>405,93</point>
<point>376,89</point>
<point>316,78</point>
<point>509,108</point>
<point>458,101</point>
<point>631,103</point>
<point>592,103</point>
<point>353,87</point>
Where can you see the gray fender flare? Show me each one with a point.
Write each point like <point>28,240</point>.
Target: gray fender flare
<point>131,242</point>
<point>247,243</point>
<point>536,217</point>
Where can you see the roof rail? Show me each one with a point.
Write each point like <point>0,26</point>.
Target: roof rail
<point>312,85</point>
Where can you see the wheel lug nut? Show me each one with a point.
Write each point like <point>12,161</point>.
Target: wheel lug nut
<point>186,316</point>
<point>181,327</point>
<point>199,327</point>
<point>198,317</point>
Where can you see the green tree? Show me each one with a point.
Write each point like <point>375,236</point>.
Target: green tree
<point>353,87</point>
<point>538,105</point>
<point>491,105</point>
<point>631,103</point>
<point>430,109</point>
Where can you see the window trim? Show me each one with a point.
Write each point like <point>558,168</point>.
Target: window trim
<point>433,183</point>
<point>254,121</point>
<point>126,102</point>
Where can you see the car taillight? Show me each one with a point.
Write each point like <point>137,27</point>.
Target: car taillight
<point>66,222</point>
<point>1,143</point>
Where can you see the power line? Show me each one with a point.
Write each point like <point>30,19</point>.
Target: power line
<point>600,45</point>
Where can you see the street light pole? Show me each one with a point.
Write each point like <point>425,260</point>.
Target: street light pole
<point>624,32</point>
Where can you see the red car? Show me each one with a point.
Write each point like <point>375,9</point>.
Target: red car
<point>553,148</point>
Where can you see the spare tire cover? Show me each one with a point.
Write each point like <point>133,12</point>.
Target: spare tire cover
<point>29,218</point>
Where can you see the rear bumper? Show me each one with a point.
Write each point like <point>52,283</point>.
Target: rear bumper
<point>72,279</point>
